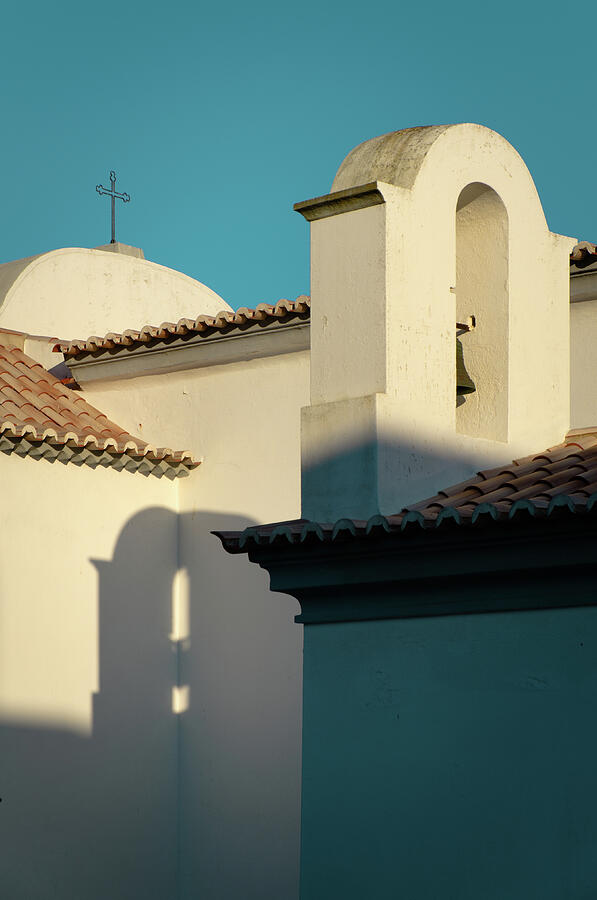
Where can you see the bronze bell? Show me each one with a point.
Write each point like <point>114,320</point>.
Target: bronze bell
<point>464,382</point>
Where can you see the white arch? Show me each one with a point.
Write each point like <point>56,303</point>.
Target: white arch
<point>391,272</point>
<point>421,173</point>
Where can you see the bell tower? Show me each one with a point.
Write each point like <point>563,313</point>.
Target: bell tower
<point>425,228</point>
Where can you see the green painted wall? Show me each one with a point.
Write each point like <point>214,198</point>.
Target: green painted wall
<point>451,758</point>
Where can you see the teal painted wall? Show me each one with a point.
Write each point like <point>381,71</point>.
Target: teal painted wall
<point>451,758</point>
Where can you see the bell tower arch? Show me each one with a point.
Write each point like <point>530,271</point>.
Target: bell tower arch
<point>482,294</point>
<point>425,227</point>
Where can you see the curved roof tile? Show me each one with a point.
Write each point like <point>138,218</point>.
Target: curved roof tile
<point>561,478</point>
<point>263,315</point>
<point>37,409</point>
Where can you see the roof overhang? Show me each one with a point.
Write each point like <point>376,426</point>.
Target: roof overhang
<point>528,562</point>
<point>192,352</point>
<point>93,453</point>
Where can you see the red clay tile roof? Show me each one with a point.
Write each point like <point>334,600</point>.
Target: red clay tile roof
<point>41,417</point>
<point>283,311</point>
<point>583,254</point>
<point>564,476</point>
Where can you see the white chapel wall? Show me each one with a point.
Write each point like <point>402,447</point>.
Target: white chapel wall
<point>583,363</point>
<point>88,778</point>
<point>240,652</point>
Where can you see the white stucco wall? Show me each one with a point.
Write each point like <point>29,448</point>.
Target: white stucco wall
<point>75,292</point>
<point>240,662</point>
<point>87,734</point>
<point>583,363</point>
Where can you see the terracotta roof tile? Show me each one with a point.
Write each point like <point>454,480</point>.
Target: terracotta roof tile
<point>41,416</point>
<point>583,254</point>
<point>262,316</point>
<point>588,489</point>
<point>560,478</point>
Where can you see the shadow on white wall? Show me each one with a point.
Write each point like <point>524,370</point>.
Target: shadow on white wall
<point>193,757</point>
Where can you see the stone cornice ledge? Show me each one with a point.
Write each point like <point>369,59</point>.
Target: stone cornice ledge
<point>539,564</point>
<point>341,201</point>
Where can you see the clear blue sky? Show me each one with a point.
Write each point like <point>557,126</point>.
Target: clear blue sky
<point>218,117</point>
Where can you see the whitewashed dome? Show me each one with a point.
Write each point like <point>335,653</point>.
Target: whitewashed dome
<point>74,292</point>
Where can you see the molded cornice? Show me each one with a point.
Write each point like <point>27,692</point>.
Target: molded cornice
<point>489,568</point>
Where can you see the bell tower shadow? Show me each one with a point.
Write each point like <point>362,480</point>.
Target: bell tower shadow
<point>154,800</point>
<point>95,817</point>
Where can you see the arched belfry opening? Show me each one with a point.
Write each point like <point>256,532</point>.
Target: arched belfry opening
<point>482,293</point>
<point>424,229</point>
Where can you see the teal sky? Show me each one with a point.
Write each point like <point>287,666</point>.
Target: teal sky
<point>218,117</point>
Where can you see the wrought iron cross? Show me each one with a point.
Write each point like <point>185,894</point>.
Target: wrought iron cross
<point>113,196</point>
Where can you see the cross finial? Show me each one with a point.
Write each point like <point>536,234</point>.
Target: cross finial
<point>111,192</point>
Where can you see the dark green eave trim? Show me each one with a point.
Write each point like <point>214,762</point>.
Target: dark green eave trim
<point>497,566</point>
